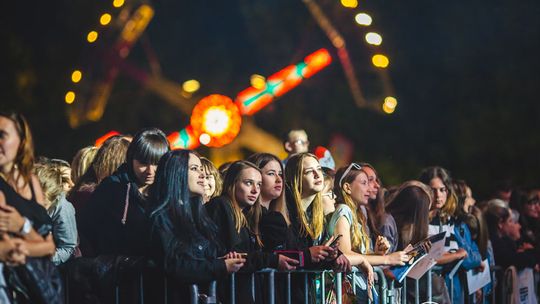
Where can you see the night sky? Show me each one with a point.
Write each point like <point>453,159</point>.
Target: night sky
<point>465,74</point>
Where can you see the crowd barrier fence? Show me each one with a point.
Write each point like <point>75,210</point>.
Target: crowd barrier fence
<point>387,289</point>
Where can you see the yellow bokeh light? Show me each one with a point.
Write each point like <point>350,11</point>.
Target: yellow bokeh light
<point>349,3</point>
<point>390,102</point>
<point>76,76</point>
<point>105,19</point>
<point>70,97</point>
<point>380,61</point>
<point>191,86</point>
<point>373,38</point>
<point>118,3</point>
<point>363,19</point>
<point>387,109</point>
<point>92,36</point>
<point>258,81</point>
<point>216,120</point>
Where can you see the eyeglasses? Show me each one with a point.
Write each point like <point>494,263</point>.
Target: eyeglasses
<point>330,194</point>
<point>351,166</point>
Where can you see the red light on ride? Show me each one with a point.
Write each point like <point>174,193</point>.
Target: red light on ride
<point>217,117</point>
<point>316,62</point>
<point>103,138</point>
<point>252,100</point>
<point>185,139</point>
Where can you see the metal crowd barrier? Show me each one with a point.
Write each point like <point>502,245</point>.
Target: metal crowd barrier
<point>386,288</point>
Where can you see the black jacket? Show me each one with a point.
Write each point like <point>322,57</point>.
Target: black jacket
<point>101,219</point>
<point>220,210</point>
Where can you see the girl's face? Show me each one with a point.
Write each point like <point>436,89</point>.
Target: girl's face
<point>469,201</point>
<point>531,209</point>
<point>209,185</point>
<point>440,192</point>
<point>9,143</point>
<point>359,189</point>
<point>195,176</point>
<point>145,173</point>
<point>312,177</point>
<point>272,180</point>
<point>372,181</point>
<point>510,228</point>
<point>247,187</point>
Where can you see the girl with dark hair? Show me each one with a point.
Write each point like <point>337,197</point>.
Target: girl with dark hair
<point>458,243</point>
<point>113,221</point>
<point>237,213</point>
<point>186,234</point>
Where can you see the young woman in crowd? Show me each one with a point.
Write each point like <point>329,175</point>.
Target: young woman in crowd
<point>213,179</point>
<point>59,209</point>
<point>273,184</point>
<point>107,159</point>
<point>21,197</point>
<point>237,213</point>
<point>442,220</point>
<point>380,222</point>
<point>186,234</point>
<point>81,162</point>
<point>114,220</point>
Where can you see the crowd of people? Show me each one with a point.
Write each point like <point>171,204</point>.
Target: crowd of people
<point>133,204</point>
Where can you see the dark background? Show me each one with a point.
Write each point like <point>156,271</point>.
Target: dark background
<point>465,75</point>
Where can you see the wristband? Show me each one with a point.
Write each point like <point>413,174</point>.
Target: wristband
<point>26,228</point>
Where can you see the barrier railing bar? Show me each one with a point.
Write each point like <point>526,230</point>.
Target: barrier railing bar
<point>429,286</point>
<point>252,283</point>
<point>194,294</point>
<point>271,287</point>
<point>323,283</point>
<point>233,288</point>
<point>141,289</point>
<point>338,288</point>
<point>288,288</point>
<point>404,293</point>
<point>416,292</point>
<point>306,288</point>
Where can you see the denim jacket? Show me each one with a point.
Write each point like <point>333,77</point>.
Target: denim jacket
<point>64,230</point>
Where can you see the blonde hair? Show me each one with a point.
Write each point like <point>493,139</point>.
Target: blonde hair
<point>81,162</point>
<point>359,235</point>
<point>50,179</point>
<point>294,173</point>
<point>252,218</point>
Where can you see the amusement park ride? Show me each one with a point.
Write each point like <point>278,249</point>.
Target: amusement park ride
<point>216,120</point>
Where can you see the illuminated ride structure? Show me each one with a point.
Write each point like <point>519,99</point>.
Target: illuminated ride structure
<point>216,120</point>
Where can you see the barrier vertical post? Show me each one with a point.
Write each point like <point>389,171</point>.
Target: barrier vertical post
<point>252,283</point>
<point>233,288</point>
<point>306,289</point>
<point>212,289</point>
<point>416,292</point>
<point>288,288</point>
<point>166,290</point>
<point>353,281</point>
<point>271,287</point>
<point>194,294</point>
<point>429,286</point>
<point>117,293</point>
<point>323,283</point>
<point>338,288</point>
<point>141,289</point>
<point>404,295</point>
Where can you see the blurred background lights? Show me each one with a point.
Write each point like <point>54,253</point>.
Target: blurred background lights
<point>70,97</point>
<point>191,86</point>
<point>76,76</point>
<point>204,139</point>
<point>363,19</point>
<point>92,36</point>
<point>105,19</point>
<point>118,3</point>
<point>216,120</point>
<point>349,3</point>
<point>380,61</point>
<point>389,105</point>
<point>373,38</point>
<point>258,81</point>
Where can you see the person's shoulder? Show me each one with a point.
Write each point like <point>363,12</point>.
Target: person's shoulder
<point>221,202</point>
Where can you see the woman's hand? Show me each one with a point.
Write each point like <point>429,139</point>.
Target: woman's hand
<point>382,245</point>
<point>342,264</point>
<point>397,258</point>
<point>320,253</point>
<point>18,255</point>
<point>233,265</point>
<point>234,255</point>
<point>285,263</point>
<point>10,219</point>
<point>461,253</point>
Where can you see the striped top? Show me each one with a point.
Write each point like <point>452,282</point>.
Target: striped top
<point>435,227</point>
